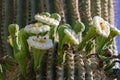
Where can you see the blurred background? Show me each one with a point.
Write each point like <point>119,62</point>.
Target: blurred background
<point>118,21</point>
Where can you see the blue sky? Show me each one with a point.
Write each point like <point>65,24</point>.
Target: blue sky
<point>117,21</point>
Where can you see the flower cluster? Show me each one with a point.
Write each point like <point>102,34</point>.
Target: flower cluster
<point>39,37</point>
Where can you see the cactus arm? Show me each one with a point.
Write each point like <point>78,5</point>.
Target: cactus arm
<point>1,17</point>
<point>13,30</point>
<point>96,8</point>
<point>56,6</point>
<point>8,19</point>
<point>43,7</point>
<point>69,72</point>
<point>104,9</point>
<point>79,67</point>
<point>18,53</point>
<point>72,14</point>
<point>86,13</point>
<point>88,70</point>
<point>49,65</point>
<point>111,14</point>
<point>61,11</point>
<point>35,8</point>
<point>21,12</point>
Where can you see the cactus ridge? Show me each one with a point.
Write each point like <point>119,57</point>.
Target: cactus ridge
<point>49,65</point>
<point>69,65</point>
<point>104,10</point>
<point>79,67</point>
<point>96,8</point>
<point>85,12</point>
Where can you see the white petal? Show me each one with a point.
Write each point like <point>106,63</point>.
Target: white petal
<point>37,30</point>
<point>72,35</point>
<point>47,20</point>
<point>40,45</point>
<point>102,30</point>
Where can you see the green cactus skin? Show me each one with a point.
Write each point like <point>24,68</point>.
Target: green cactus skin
<point>111,12</point>
<point>28,11</point>
<point>54,63</point>
<point>56,6</point>
<point>43,7</point>
<point>79,67</point>
<point>85,12</point>
<point>49,65</point>
<point>88,70</point>
<point>60,72</point>
<point>69,66</point>
<point>1,28</point>
<point>94,66</point>
<point>38,55</point>
<point>21,51</point>
<point>72,14</point>
<point>53,6</point>
<point>61,11</point>
<point>41,75</point>
<point>21,13</point>
<point>97,75</point>
<point>8,19</point>
<point>104,9</point>
<point>96,8</point>
<point>35,8</point>
<point>30,69</point>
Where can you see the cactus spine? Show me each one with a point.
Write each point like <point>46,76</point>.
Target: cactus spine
<point>104,9</point>
<point>96,8</point>
<point>69,66</point>
<point>88,70</point>
<point>72,14</point>
<point>79,67</point>
<point>85,12</point>
<point>49,65</point>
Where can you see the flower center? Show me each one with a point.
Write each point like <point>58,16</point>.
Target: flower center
<point>36,25</point>
<point>44,16</point>
<point>41,40</point>
<point>102,25</point>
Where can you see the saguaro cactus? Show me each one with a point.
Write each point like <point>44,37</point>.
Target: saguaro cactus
<point>56,39</point>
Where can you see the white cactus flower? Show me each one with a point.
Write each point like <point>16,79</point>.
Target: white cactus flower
<point>72,36</point>
<point>114,31</point>
<point>102,26</point>
<point>47,20</point>
<point>37,28</point>
<point>40,42</point>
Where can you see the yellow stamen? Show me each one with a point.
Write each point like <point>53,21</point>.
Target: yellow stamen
<point>44,16</point>
<point>40,40</point>
<point>102,25</point>
<point>36,25</point>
